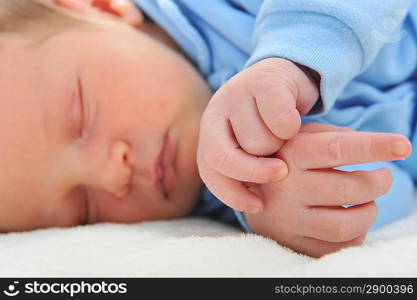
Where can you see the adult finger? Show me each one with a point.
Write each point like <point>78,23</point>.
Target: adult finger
<point>221,152</point>
<point>251,132</point>
<point>231,192</point>
<point>343,188</point>
<point>315,127</point>
<point>337,224</point>
<point>333,149</point>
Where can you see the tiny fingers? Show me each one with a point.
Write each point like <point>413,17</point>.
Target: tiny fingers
<point>251,132</point>
<point>279,114</point>
<point>233,193</point>
<point>283,92</point>
<point>220,151</point>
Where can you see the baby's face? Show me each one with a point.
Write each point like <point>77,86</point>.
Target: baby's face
<point>97,126</point>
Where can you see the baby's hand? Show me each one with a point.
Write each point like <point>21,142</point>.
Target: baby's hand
<point>248,117</point>
<point>305,212</point>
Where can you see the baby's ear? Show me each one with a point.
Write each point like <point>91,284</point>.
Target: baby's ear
<point>122,10</point>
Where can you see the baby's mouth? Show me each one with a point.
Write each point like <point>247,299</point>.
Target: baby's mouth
<point>165,176</point>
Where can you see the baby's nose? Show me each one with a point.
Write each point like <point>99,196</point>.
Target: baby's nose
<point>112,171</point>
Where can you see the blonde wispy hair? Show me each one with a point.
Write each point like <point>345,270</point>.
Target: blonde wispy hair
<point>40,19</point>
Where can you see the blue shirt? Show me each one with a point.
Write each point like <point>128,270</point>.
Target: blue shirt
<point>364,51</point>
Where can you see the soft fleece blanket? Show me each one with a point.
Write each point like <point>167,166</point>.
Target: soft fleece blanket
<point>197,247</point>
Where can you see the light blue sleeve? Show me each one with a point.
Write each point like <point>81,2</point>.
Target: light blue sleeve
<point>338,39</point>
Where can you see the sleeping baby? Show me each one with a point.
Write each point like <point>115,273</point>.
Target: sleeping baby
<point>108,115</point>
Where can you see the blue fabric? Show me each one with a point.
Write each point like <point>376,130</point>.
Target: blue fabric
<point>209,205</point>
<point>364,51</point>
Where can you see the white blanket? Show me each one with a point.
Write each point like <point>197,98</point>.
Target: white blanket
<point>196,247</point>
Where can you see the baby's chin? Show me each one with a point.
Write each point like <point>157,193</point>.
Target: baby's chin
<point>179,205</point>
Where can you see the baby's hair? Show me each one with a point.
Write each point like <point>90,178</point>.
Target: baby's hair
<point>39,19</point>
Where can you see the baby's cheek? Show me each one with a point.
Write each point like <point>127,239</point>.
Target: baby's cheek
<point>162,106</point>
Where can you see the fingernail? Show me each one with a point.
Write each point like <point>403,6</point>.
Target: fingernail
<point>252,209</point>
<point>280,175</point>
<point>400,148</point>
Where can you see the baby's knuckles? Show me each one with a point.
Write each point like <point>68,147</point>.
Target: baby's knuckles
<point>227,100</point>
<point>272,74</point>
